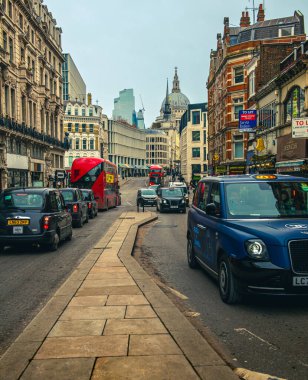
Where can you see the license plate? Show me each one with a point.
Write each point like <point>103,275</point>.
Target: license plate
<point>18,222</point>
<point>18,230</point>
<point>300,281</point>
<point>173,206</point>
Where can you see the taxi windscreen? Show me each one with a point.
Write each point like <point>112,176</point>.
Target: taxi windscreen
<point>21,200</point>
<point>267,199</point>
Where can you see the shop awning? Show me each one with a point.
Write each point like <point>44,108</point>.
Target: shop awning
<point>282,164</point>
<point>124,166</point>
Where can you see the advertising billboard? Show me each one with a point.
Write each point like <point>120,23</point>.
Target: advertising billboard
<point>300,128</point>
<point>247,120</point>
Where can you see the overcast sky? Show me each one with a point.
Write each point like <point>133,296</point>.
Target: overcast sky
<point>119,44</point>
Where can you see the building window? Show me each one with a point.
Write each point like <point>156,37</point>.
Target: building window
<point>204,153</point>
<point>237,107</point>
<point>4,36</point>
<point>83,112</point>
<point>69,110</point>
<point>286,31</point>
<point>267,116</point>
<point>91,144</point>
<point>238,74</point>
<point>76,111</point>
<point>69,127</point>
<point>238,146</point>
<point>195,152</point>
<point>91,127</point>
<point>90,111</point>
<point>76,127</point>
<point>251,83</point>
<point>195,115</point>
<point>84,144</point>
<point>70,160</point>
<point>195,136</point>
<point>10,9</point>
<point>77,144</point>
<point>11,47</point>
<point>204,137</point>
<point>84,128</point>
<point>294,105</point>
<point>195,168</point>
<point>21,21</point>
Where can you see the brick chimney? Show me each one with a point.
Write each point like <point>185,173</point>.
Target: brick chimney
<point>245,20</point>
<point>261,14</point>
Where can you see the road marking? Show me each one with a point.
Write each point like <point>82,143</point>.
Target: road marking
<point>129,203</point>
<point>246,374</point>
<point>191,314</point>
<point>243,330</point>
<point>175,292</point>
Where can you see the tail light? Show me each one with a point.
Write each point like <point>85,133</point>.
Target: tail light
<point>46,222</point>
<point>90,205</point>
<point>75,208</point>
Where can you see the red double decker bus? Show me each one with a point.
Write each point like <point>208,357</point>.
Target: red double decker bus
<point>101,176</point>
<point>156,175</point>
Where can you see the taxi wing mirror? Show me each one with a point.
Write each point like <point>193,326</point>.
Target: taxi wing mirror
<point>210,209</point>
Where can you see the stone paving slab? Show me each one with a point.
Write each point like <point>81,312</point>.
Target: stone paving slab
<point>78,328</point>
<point>93,312</point>
<point>108,282</point>
<point>216,373</point>
<point>141,311</point>
<point>105,270</point>
<point>59,369</point>
<point>161,344</point>
<point>88,301</point>
<point>83,347</point>
<point>132,289</point>
<point>134,326</point>
<point>144,368</point>
<point>107,275</point>
<point>127,300</point>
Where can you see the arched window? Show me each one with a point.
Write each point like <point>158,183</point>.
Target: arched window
<point>76,111</point>
<point>84,144</point>
<point>91,144</point>
<point>294,104</point>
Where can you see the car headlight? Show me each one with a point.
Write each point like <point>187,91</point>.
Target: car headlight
<point>164,201</point>
<point>183,201</point>
<point>256,249</point>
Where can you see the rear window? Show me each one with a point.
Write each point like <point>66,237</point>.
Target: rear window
<point>86,195</point>
<point>68,195</point>
<point>21,200</point>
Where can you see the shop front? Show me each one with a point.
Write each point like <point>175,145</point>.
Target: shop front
<point>37,174</point>
<point>17,172</point>
<point>220,170</point>
<point>237,168</point>
<point>292,156</point>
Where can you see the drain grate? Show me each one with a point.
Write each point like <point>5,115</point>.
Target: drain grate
<point>165,226</point>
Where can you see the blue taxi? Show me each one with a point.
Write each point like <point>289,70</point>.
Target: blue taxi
<point>251,233</point>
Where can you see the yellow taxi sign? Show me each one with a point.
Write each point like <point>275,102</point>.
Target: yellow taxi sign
<point>266,176</point>
<point>109,178</point>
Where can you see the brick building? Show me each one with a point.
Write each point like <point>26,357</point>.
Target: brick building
<point>246,58</point>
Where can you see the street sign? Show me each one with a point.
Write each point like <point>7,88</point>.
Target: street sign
<point>300,128</point>
<point>60,175</point>
<point>109,178</point>
<point>247,120</point>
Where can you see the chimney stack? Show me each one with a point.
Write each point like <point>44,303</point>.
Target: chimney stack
<point>245,20</point>
<point>261,14</point>
<point>89,98</point>
<point>242,21</point>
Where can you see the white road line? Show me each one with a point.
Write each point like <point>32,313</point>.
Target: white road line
<point>129,203</point>
<point>246,374</point>
<point>175,292</point>
<point>243,330</point>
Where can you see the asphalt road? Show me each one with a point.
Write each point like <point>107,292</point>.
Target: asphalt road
<point>266,335</point>
<point>29,278</point>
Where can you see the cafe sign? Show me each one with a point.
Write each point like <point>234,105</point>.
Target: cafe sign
<point>300,128</point>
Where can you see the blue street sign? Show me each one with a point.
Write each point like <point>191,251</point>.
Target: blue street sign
<point>247,120</point>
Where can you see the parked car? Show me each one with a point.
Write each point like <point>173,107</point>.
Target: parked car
<point>183,186</point>
<point>146,197</point>
<point>88,196</point>
<point>34,216</point>
<point>76,206</point>
<point>251,233</point>
<point>170,199</point>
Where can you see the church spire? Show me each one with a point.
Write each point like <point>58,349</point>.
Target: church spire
<point>176,82</point>
<point>167,108</point>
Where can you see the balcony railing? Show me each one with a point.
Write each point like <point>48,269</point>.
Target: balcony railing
<point>32,132</point>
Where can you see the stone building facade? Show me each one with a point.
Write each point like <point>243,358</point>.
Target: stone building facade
<point>157,148</point>
<point>87,127</point>
<point>193,142</point>
<point>31,123</point>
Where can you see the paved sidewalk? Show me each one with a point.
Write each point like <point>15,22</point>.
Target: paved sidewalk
<point>110,320</point>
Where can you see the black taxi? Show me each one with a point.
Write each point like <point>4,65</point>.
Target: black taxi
<point>251,233</point>
<point>34,216</point>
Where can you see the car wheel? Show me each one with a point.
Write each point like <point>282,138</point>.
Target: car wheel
<point>228,284</point>
<point>79,224</point>
<point>54,245</point>
<point>184,211</point>
<point>191,258</point>
<point>70,235</point>
<point>92,215</point>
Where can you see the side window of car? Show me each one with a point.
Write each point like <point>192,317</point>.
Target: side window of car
<point>195,201</point>
<point>79,195</point>
<point>215,198</point>
<point>53,202</point>
<point>203,199</point>
<point>60,203</point>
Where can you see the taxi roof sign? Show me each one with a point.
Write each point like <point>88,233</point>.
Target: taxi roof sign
<point>265,176</point>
